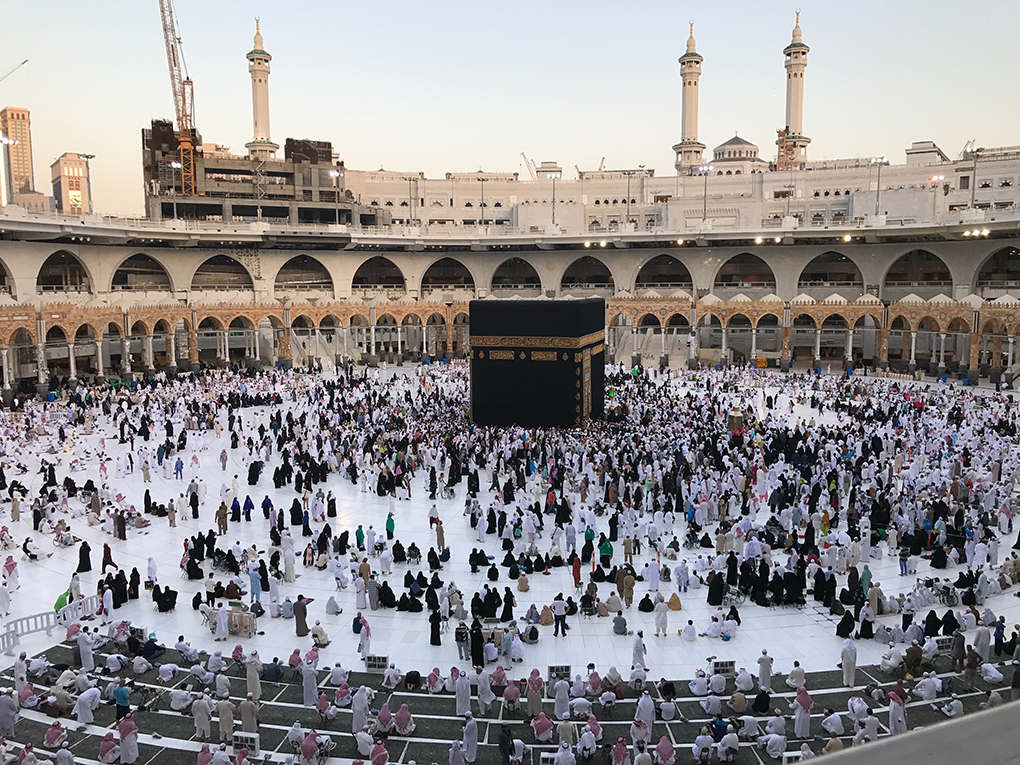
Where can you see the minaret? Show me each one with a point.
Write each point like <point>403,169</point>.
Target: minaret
<point>689,151</point>
<point>258,66</point>
<point>796,62</point>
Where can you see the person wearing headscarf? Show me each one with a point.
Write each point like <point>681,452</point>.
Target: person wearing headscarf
<point>848,660</point>
<point>359,708</point>
<point>586,746</point>
<point>86,705</point>
<point>563,755</point>
<point>242,757</point>
<point>621,753</point>
<point>128,739</point>
<point>470,738</point>
<point>897,713</point>
<point>542,727</point>
<point>55,735</point>
<point>665,753</point>
<point>534,693</point>
<point>253,671</point>
<point>109,752</point>
<point>435,681</point>
<point>801,708</point>
<point>379,754</point>
<point>310,746</point>
<point>384,719</point>
<point>404,722</point>
<point>204,755</point>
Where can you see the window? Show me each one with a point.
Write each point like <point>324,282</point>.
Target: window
<point>964,182</point>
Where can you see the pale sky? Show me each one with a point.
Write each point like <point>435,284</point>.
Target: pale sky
<point>459,85</point>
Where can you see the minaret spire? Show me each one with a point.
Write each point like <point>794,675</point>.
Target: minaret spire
<point>796,62</point>
<point>260,147</point>
<point>689,150</point>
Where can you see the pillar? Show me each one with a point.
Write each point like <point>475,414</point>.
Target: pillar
<point>125,356</point>
<point>725,345</point>
<point>99,359</point>
<point>754,344</point>
<point>150,362</point>
<point>883,348</point>
<point>72,367</point>
<point>5,358</point>
<point>171,353</point>
<point>400,349</point>
<point>818,345</point>
<point>1008,374</point>
<point>42,370</point>
<point>222,347</point>
<point>912,365</point>
<point>942,354</point>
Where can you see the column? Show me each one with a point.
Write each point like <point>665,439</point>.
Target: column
<point>883,348</point>
<point>725,344</point>
<point>942,350</point>
<point>754,344</point>
<point>818,345</point>
<point>223,347</point>
<point>400,345</point>
<point>5,358</point>
<point>150,362</point>
<point>1009,357</point>
<point>913,349</point>
<point>849,348</point>
<point>42,371</point>
<point>99,358</point>
<point>371,339</point>
<point>73,370</point>
<point>125,356</point>
<point>171,351</point>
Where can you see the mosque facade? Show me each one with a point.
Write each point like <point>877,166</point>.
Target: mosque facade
<point>733,259</point>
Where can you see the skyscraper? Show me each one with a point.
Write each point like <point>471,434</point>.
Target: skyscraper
<point>16,126</point>
<point>70,178</point>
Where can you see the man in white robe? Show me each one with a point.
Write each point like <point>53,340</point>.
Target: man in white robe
<point>222,623</point>
<point>85,707</point>
<point>470,738</point>
<point>462,690</point>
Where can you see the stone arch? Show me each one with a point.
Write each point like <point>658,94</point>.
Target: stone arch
<point>63,271</point>
<point>86,332</point>
<point>831,270</point>
<point>664,272</point>
<point>515,276</point>
<point>141,273</point>
<point>139,328</point>
<point>302,274</point>
<point>222,272</point>
<point>210,324</point>
<point>445,274</point>
<point>999,273</point>
<point>587,274</point>
<point>678,320</point>
<point>744,271</point>
<point>918,271</point>
<point>649,320</point>
<point>378,274</point>
<point>302,321</point>
<point>757,320</point>
<point>56,334</point>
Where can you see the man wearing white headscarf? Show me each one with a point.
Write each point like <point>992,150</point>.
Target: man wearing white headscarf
<point>470,738</point>
<point>359,708</point>
<point>563,755</point>
<point>848,657</point>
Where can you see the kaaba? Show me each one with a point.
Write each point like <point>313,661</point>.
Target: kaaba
<point>537,363</point>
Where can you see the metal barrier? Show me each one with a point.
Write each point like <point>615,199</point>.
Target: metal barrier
<point>48,621</point>
<point>74,611</point>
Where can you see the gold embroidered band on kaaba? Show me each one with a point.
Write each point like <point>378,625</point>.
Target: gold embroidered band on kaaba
<point>530,341</point>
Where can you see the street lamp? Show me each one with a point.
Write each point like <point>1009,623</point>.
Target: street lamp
<point>878,189</point>
<point>553,176</point>
<point>88,177</point>
<point>176,166</point>
<point>481,204</point>
<point>973,181</point>
<point>705,170</point>
<point>335,175</point>
<point>935,180</point>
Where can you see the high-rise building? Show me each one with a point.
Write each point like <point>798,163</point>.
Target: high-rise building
<point>70,178</point>
<point>16,127</point>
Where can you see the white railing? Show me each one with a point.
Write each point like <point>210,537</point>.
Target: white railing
<point>46,622</point>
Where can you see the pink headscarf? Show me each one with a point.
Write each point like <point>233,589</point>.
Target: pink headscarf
<point>295,659</point>
<point>368,630</point>
<point>9,566</point>
<point>498,676</point>
<point>204,756</point>
<point>379,754</point>
<point>310,745</point>
<point>26,693</point>
<point>238,653</point>
<point>312,655</point>
<point>72,631</point>
<point>323,703</point>
<point>385,716</point>
<point>620,751</point>
<point>541,723</point>
<point>454,674</point>
<point>595,682</point>
<point>434,678</point>
<point>804,699</point>
<point>126,726</point>
<point>241,756</point>
<point>53,733</point>
<point>342,692</point>
<point>535,681</point>
<point>104,746</point>
<point>664,750</point>
<point>596,729</point>
<point>403,717</point>
<point>511,692</point>
<point>894,696</point>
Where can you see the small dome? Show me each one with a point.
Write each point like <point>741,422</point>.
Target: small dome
<point>690,40</point>
<point>258,36</point>
<point>796,30</point>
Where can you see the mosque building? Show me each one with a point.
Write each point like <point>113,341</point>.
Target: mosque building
<point>730,259</point>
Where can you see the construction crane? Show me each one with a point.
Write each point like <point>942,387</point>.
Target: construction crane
<point>14,70</point>
<point>531,166</point>
<point>184,97</point>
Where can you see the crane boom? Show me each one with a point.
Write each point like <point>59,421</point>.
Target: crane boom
<point>530,165</point>
<point>14,70</point>
<point>184,97</point>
